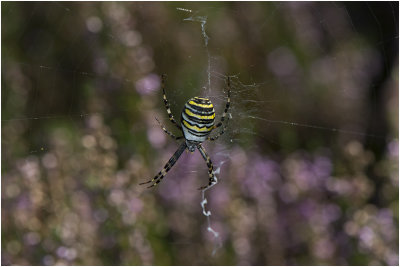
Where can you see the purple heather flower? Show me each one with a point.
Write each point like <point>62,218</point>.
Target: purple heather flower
<point>148,84</point>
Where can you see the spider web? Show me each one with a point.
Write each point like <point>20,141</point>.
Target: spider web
<point>73,88</point>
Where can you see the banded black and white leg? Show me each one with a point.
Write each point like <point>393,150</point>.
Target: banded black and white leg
<point>166,103</point>
<point>167,106</point>
<point>211,178</point>
<point>227,105</point>
<point>171,162</point>
<point>168,132</point>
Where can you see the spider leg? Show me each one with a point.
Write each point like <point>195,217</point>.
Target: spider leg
<point>213,138</point>
<point>210,167</point>
<point>228,103</point>
<point>168,132</point>
<point>166,103</point>
<point>171,162</point>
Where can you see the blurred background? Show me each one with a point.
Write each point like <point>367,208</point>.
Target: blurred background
<point>308,166</point>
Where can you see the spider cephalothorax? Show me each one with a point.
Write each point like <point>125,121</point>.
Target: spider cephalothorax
<point>197,122</point>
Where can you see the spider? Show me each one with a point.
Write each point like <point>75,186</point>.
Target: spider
<point>197,122</point>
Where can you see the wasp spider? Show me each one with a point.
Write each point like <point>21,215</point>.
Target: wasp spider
<point>197,122</point>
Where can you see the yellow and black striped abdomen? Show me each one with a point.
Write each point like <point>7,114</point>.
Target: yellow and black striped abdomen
<point>197,119</point>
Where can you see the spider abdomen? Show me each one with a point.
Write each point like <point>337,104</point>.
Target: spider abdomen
<point>197,119</point>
